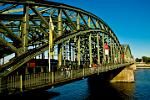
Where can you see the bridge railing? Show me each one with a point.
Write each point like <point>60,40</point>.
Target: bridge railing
<point>19,83</point>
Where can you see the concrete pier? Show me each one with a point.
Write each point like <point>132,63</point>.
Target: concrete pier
<point>126,75</point>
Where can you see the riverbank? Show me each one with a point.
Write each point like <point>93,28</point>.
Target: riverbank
<point>142,65</point>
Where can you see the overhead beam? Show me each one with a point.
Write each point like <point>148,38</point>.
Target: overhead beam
<point>69,20</point>
<point>11,17</point>
<point>40,16</point>
<point>9,45</point>
<point>10,7</point>
<point>10,34</point>
<point>46,33</point>
<point>13,11</point>
<point>72,35</point>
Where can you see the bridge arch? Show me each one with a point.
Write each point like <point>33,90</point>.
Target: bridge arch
<point>128,57</point>
<point>30,27</point>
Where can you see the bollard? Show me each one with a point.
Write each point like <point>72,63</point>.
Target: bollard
<point>52,77</point>
<point>21,90</point>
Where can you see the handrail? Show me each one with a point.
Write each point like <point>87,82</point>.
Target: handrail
<point>47,79</point>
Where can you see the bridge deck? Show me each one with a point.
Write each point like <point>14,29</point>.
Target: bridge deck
<point>15,84</point>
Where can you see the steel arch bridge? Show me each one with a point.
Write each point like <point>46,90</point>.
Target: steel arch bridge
<point>27,28</point>
<point>32,29</point>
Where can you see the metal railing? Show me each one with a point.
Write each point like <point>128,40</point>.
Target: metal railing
<point>20,83</point>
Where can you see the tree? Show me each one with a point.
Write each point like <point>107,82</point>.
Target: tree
<point>138,60</point>
<point>146,59</point>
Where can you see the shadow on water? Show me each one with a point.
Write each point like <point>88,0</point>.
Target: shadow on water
<point>33,95</point>
<point>104,90</point>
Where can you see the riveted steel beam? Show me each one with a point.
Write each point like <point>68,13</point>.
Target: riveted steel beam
<point>25,28</point>
<point>13,11</point>
<point>41,29</point>
<point>37,25</point>
<point>93,23</point>
<point>59,5</point>
<point>15,64</point>
<point>63,6</point>
<point>40,16</point>
<point>79,51</point>
<point>78,21</point>
<point>90,49</point>
<point>98,48</point>
<point>7,8</point>
<point>10,34</point>
<point>69,20</point>
<point>60,46</point>
<point>59,22</point>
<point>8,45</point>
<point>85,23</point>
<point>104,58</point>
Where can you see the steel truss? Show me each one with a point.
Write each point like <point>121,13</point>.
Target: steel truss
<point>80,36</point>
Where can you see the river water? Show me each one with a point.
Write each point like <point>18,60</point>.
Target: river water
<point>82,90</point>
<point>97,90</point>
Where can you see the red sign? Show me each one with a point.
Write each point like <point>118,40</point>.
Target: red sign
<point>106,46</point>
<point>122,55</point>
<point>31,64</point>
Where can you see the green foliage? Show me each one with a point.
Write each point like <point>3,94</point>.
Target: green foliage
<point>146,59</point>
<point>138,60</point>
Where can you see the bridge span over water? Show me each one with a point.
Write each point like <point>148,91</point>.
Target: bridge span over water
<point>75,40</point>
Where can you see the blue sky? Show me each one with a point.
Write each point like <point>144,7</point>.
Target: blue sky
<point>129,19</point>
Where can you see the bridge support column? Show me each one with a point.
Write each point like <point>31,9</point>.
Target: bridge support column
<point>126,75</point>
<point>79,53</point>
<point>98,54</point>
<point>104,58</point>
<point>59,34</point>
<point>90,50</point>
<point>111,51</point>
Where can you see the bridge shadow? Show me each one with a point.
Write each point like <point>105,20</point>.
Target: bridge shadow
<point>40,94</point>
<point>104,90</point>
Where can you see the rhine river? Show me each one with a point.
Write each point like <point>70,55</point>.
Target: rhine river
<point>97,90</point>
<point>80,90</point>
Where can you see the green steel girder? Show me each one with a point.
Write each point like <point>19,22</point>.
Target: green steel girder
<point>7,44</point>
<point>69,20</point>
<point>67,8</point>
<point>86,25</point>
<point>40,16</point>
<point>10,7</point>
<point>127,50</point>
<point>73,34</point>
<point>94,23</point>
<point>19,61</point>
<point>10,33</point>
<point>46,33</point>
<point>39,13</point>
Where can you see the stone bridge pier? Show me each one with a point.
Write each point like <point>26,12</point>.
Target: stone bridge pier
<point>126,75</point>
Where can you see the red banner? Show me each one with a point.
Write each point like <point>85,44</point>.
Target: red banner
<point>106,46</point>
